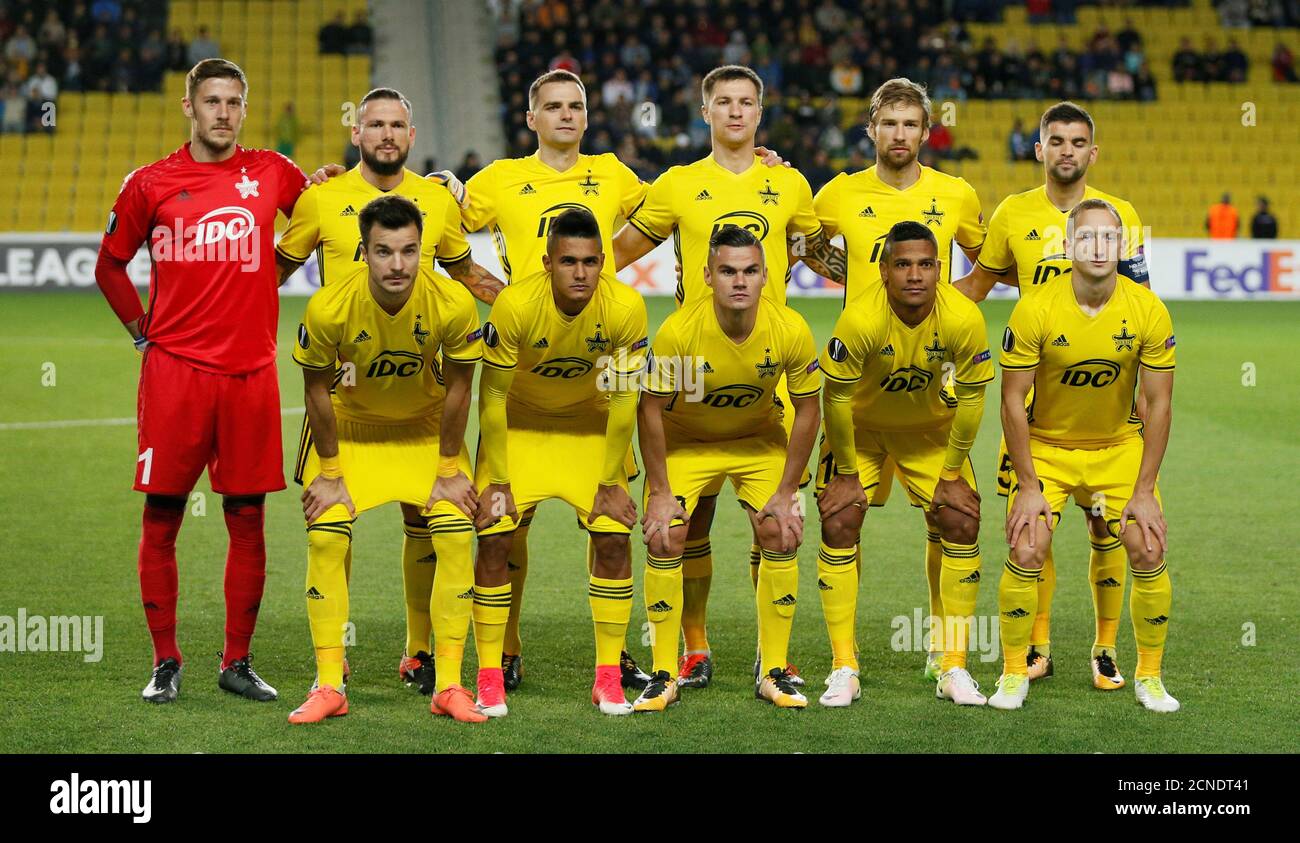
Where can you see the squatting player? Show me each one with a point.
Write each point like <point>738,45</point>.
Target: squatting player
<point>1025,247</point>
<point>404,345</point>
<point>208,389</point>
<point>325,220</point>
<point>864,206</point>
<point>557,404</point>
<point>518,200</point>
<point>730,186</point>
<point>708,414</point>
<point>1080,341</point>
<point>905,371</point>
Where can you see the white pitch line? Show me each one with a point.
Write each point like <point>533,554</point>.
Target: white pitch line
<point>55,424</point>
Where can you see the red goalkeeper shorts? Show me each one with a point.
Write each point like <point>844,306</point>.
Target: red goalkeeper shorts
<point>188,419</point>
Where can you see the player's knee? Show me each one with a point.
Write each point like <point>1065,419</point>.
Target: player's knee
<point>1139,558</point>
<point>1030,558</point>
<point>327,546</point>
<point>768,533</point>
<point>1097,526</point>
<point>843,528</point>
<point>492,556</point>
<point>171,502</point>
<point>957,526</point>
<point>613,556</point>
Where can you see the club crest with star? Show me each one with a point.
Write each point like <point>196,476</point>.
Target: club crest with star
<point>418,332</point>
<point>933,216</point>
<point>768,195</point>
<point>597,343</point>
<point>1123,340</point>
<point>767,369</point>
<point>589,187</point>
<point>935,350</point>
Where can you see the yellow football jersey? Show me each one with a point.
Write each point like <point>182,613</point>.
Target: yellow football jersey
<point>325,219</point>
<point>559,360</point>
<point>1087,366</point>
<point>691,202</point>
<point>863,208</point>
<point>1027,230</point>
<point>388,366</point>
<point>723,390</point>
<point>519,198</point>
<point>902,371</point>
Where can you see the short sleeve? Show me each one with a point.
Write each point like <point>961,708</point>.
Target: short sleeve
<point>317,342</point>
<point>996,256</point>
<point>464,339</point>
<point>293,182</point>
<point>972,356</point>
<point>663,361</point>
<point>632,191</point>
<point>805,220</point>
<point>482,208</point>
<point>501,332</point>
<point>303,233</point>
<point>129,221</point>
<point>453,246</point>
<point>802,371</point>
<point>845,354</point>
<point>826,205</point>
<point>970,225</point>
<point>654,217</point>
<point>1022,340</point>
<point>1157,352</point>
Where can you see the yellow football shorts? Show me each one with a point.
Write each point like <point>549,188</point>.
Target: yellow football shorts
<point>787,424</point>
<point>917,457</point>
<point>1099,479</point>
<point>382,463</point>
<point>554,458</point>
<point>753,464</point>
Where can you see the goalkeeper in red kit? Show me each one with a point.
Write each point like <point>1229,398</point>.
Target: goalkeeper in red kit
<point>208,394</point>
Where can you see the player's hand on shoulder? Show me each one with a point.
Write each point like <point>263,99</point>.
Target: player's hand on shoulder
<point>770,157</point>
<point>458,490</point>
<point>614,502</point>
<point>323,493</point>
<point>497,501</point>
<point>843,491</point>
<point>326,173</point>
<point>448,179</point>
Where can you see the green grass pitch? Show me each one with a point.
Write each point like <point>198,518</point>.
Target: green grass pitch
<point>72,523</point>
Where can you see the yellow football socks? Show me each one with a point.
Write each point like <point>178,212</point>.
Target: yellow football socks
<point>697,574</point>
<point>1106,568</point>
<point>611,609</point>
<point>451,601</point>
<point>328,542</point>
<point>959,585</point>
<point>837,584</point>
<point>776,595</point>
<point>1017,606</point>
<point>755,559</point>
<point>663,604</point>
<point>1149,605</point>
<point>491,610</point>
<point>1041,637</point>
<point>933,568</point>
<point>418,563</point>
<point>518,565</point>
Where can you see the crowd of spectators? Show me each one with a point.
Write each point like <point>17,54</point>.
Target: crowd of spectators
<point>339,37</point>
<point>642,61</point>
<point>51,46</point>
<point>1209,64</point>
<point>1239,14</point>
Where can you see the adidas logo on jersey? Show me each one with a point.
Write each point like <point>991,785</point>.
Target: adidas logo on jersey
<point>1016,613</point>
<point>313,594</point>
<point>1033,235</point>
<point>867,212</point>
<point>661,606</point>
<point>361,337</point>
<point>527,191</point>
<point>788,600</point>
<point>1061,342</point>
<point>542,343</point>
<point>821,584</point>
<point>887,351</point>
<point>705,368</point>
<point>349,211</point>
<point>1109,582</point>
<point>703,194</point>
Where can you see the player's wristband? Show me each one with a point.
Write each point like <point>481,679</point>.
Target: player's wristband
<point>329,468</point>
<point>949,473</point>
<point>448,466</point>
<point>140,343</point>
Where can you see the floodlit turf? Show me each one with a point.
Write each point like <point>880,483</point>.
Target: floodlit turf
<point>71,526</point>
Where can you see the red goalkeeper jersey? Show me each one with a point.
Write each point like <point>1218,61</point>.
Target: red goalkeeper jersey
<point>210,231</point>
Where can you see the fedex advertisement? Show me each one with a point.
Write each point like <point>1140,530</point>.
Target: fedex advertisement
<point>1180,268</point>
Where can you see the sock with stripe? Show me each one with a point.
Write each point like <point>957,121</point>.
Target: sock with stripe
<point>245,578</point>
<point>611,609</point>
<point>1106,569</point>
<point>518,565</point>
<point>933,575</point>
<point>491,609</point>
<point>1149,606</point>
<point>156,565</point>
<point>837,584</point>
<point>451,598</point>
<point>1041,636</point>
<point>776,596</point>
<point>327,594</point>
<point>419,562</point>
<point>663,605</point>
<point>697,576</point>
<point>755,559</point>
<point>959,585</point>
<point>1017,607</point>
